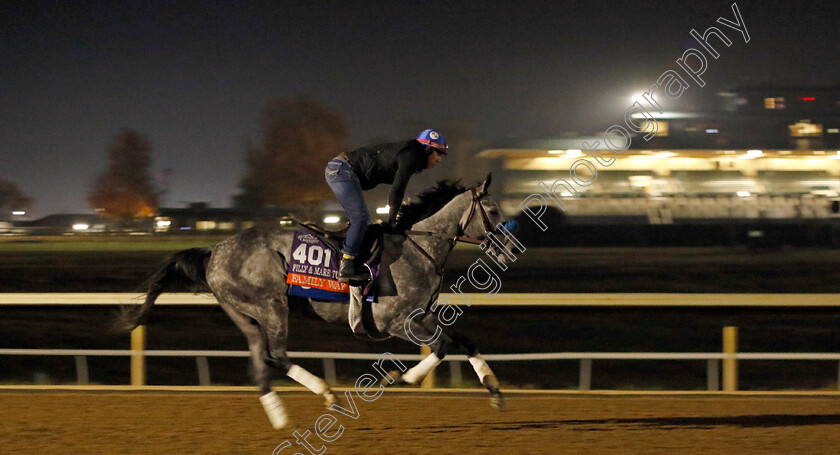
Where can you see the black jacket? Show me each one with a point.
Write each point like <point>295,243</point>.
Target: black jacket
<point>392,163</point>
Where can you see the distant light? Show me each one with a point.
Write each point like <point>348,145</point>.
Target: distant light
<point>784,152</point>
<point>819,152</point>
<point>331,219</point>
<point>752,154</point>
<point>743,194</point>
<point>666,115</point>
<point>711,131</point>
<point>808,98</point>
<point>285,222</point>
<point>163,223</point>
<point>662,155</point>
<point>185,228</point>
<point>383,210</point>
<point>80,227</point>
<point>571,153</point>
<point>833,130</point>
<point>18,212</point>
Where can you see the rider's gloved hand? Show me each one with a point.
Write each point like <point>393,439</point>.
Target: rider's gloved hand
<point>392,228</point>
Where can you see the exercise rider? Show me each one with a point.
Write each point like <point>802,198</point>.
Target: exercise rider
<point>364,168</point>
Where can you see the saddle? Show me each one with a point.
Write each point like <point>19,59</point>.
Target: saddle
<point>371,250</point>
<point>371,253</point>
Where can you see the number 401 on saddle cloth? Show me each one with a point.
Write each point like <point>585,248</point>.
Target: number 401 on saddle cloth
<point>313,270</point>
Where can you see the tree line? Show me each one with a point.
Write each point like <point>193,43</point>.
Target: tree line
<point>300,136</point>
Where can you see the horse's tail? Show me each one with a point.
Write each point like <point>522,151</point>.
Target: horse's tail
<point>184,270</point>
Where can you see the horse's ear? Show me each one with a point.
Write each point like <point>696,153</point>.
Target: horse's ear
<point>482,189</point>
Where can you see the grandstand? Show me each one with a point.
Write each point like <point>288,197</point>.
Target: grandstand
<point>751,159</point>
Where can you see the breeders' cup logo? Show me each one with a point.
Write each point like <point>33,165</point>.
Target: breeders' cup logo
<point>308,238</point>
<point>434,135</point>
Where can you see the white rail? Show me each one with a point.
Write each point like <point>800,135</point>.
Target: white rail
<point>727,359</point>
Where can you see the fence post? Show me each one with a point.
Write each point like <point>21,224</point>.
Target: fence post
<point>203,370</point>
<point>730,364</point>
<point>81,370</point>
<point>712,375</point>
<point>429,380</point>
<point>455,378</point>
<point>585,374</point>
<point>329,371</point>
<point>838,376</point>
<point>138,363</point>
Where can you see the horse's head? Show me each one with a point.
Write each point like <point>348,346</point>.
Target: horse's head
<point>483,217</point>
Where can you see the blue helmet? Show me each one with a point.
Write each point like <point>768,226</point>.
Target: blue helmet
<point>433,138</point>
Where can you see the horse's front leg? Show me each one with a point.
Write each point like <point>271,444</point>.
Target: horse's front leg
<point>482,369</point>
<point>439,347</point>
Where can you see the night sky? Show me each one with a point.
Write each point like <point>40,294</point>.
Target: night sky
<point>193,77</point>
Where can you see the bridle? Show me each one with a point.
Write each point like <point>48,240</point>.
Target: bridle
<point>475,207</point>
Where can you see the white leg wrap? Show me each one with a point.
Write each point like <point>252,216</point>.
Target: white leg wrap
<point>308,380</point>
<point>419,371</point>
<point>275,410</point>
<point>481,368</point>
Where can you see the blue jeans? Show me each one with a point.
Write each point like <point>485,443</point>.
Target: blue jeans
<point>345,184</point>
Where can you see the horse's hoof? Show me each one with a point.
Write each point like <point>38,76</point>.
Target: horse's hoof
<point>394,375</point>
<point>497,401</point>
<point>330,399</point>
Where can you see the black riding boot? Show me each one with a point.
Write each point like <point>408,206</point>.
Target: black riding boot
<point>350,271</point>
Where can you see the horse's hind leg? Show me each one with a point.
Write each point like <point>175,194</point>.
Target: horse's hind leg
<point>482,370</point>
<point>274,327</point>
<point>262,375</point>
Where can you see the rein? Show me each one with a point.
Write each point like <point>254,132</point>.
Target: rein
<point>459,237</point>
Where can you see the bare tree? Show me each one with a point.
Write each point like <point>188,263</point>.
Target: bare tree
<point>125,190</point>
<point>300,136</point>
<point>12,198</point>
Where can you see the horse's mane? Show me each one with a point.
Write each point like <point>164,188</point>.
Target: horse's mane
<point>429,202</point>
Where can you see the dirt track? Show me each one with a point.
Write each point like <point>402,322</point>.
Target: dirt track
<point>233,423</point>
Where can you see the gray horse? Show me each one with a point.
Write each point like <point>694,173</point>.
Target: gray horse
<point>247,275</point>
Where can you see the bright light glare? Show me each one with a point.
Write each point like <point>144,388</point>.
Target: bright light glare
<point>163,223</point>
<point>743,194</point>
<point>331,219</point>
<point>662,155</point>
<point>556,152</point>
<point>80,227</point>
<point>383,210</point>
<point>572,153</point>
<point>18,213</point>
<point>754,153</point>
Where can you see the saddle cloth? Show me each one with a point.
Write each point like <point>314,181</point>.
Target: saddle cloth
<point>314,262</point>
